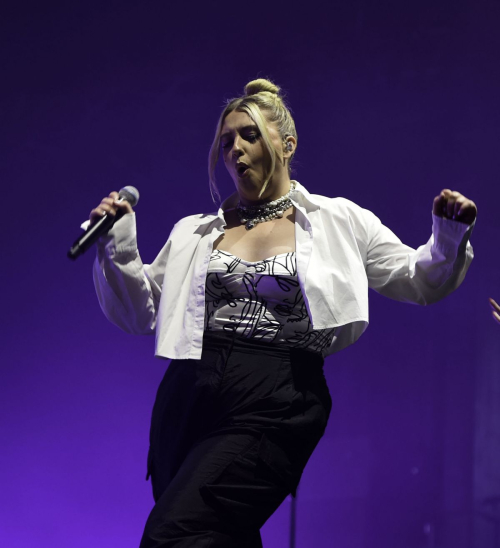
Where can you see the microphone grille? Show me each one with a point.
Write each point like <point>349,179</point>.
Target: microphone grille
<point>129,193</point>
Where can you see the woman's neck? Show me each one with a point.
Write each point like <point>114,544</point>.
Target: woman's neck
<point>273,192</point>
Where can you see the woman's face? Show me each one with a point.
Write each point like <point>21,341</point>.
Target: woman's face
<point>244,154</point>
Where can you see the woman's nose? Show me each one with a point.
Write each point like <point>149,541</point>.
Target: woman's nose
<point>237,150</point>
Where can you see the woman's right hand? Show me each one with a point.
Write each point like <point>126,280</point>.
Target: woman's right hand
<point>109,206</point>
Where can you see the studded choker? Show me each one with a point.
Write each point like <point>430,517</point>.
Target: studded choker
<point>253,215</point>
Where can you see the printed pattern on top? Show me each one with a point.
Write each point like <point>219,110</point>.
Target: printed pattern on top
<point>260,300</point>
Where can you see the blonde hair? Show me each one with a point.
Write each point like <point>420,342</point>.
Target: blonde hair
<point>260,97</point>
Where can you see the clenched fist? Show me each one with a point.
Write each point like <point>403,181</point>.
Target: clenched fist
<point>453,205</point>
<point>109,206</point>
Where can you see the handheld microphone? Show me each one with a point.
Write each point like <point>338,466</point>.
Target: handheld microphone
<point>103,225</point>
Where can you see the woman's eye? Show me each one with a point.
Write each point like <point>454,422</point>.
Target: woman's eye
<point>250,137</point>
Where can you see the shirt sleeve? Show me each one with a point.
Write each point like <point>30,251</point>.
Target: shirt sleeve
<point>128,297</point>
<point>424,275</point>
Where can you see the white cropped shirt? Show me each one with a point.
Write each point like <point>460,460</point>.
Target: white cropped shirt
<point>341,251</point>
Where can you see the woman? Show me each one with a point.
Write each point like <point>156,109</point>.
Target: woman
<point>247,303</point>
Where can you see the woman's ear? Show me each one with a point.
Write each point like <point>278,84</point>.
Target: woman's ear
<point>289,145</point>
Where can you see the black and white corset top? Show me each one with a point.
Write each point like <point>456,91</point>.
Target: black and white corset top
<point>260,300</point>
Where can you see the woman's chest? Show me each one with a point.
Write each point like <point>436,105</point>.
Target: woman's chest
<point>263,241</point>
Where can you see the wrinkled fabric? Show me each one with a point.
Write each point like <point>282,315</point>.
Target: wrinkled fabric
<point>260,300</point>
<point>341,248</point>
<point>230,436</point>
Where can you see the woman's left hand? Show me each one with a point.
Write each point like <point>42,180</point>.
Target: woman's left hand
<point>453,205</point>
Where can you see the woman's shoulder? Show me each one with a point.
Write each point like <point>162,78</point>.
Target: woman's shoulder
<point>203,218</point>
<point>192,226</point>
<point>197,219</point>
<point>334,201</point>
<point>341,213</point>
<point>327,202</point>
<point>340,206</point>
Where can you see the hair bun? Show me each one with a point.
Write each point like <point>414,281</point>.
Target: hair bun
<point>259,85</point>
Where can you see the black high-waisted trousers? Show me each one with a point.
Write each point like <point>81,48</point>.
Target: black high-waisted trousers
<point>230,436</point>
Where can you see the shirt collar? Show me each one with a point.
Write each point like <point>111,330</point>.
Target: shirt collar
<point>299,197</point>
<point>302,197</point>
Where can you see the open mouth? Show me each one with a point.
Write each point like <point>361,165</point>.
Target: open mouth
<point>241,169</point>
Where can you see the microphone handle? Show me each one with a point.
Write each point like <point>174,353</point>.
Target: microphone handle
<point>93,233</point>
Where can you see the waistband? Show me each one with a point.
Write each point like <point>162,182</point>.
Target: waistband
<point>218,340</point>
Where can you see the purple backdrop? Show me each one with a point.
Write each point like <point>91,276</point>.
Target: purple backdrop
<point>393,102</point>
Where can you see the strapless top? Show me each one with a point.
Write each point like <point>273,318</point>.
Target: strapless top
<point>260,300</point>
